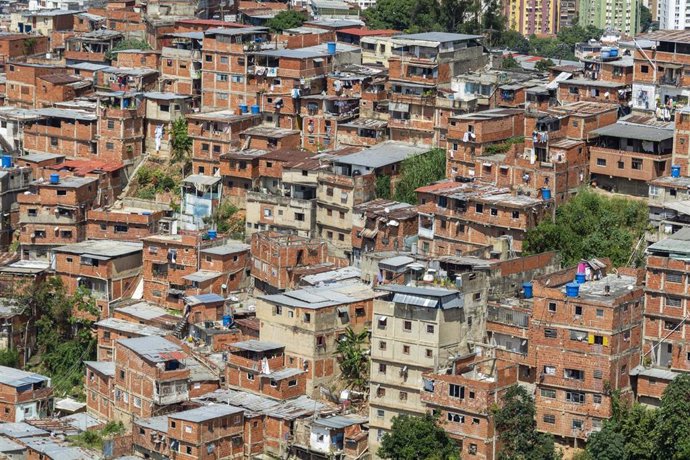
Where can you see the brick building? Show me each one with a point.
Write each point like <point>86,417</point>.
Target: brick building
<point>129,219</point>
<point>120,133</point>
<point>67,132</point>
<point>162,109</point>
<point>228,267</point>
<point>18,45</point>
<point>24,395</point>
<point>585,338</point>
<point>459,217</point>
<point>665,353</point>
<point>107,269</point>
<point>382,225</point>
<point>54,214</point>
<point>181,64</point>
<point>310,322</point>
<point>150,377</point>
<point>99,378</point>
<point>639,147</point>
<point>259,367</point>
<point>110,330</point>
<point>279,260</point>
<point>465,395</point>
<point>198,433</point>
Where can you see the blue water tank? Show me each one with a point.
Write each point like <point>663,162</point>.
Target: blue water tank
<point>227,320</point>
<point>580,278</point>
<point>244,108</point>
<point>613,52</point>
<point>572,289</point>
<point>331,48</point>
<point>212,234</point>
<point>256,109</point>
<point>7,161</point>
<point>546,193</point>
<point>527,290</point>
<point>675,171</point>
<point>55,178</point>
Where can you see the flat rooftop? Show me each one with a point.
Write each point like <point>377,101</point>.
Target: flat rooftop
<point>103,249</point>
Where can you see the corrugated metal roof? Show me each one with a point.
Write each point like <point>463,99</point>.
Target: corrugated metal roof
<point>17,378</point>
<point>104,367</point>
<point>254,404</point>
<point>202,275</point>
<point>154,348</point>
<point>441,37</point>
<point>229,247</point>
<point>383,154</point>
<point>103,248</point>
<point>130,327</point>
<point>639,132</point>
<point>257,345</point>
<point>205,413</point>
<point>340,421</point>
<point>203,298</point>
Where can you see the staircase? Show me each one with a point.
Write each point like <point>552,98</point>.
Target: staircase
<point>181,326</point>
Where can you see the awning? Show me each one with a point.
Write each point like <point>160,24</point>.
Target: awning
<point>369,233</point>
<point>382,320</point>
<point>671,66</point>
<point>343,311</point>
<point>318,60</point>
<point>399,107</point>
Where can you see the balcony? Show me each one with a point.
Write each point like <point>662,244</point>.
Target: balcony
<point>170,392</point>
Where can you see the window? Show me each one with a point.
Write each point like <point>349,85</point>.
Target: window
<point>111,124</point>
<point>673,301</point>
<point>550,370</point>
<point>674,277</point>
<point>579,336</point>
<point>597,374</point>
<point>457,418</point>
<point>670,325</point>
<point>137,402</point>
<point>546,393</point>
<point>429,328</point>
<point>429,353</point>
<point>61,192</point>
<point>475,421</point>
<point>250,377</point>
<point>552,306</point>
<point>307,317</point>
<point>359,312</point>
<point>493,211</point>
<point>577,424</point>
<point>278,310</point>
<point>516,214</point>
<point>479,208</point>
<point>578,310</point>
<point>621,164</point>
<point>223,59</point>
<point>32,212</point>
<point>600,312</point>
<point>382,345</point>
<point>601,161</point>
<point>550,333</point>
<point>406,349</point>
<point>550,419</point>
<point>576,397</point>
<point>382,368</point>
<point>644,69</point>
<point>472,450</point>
<point>407,326</point>
<point>456,391</point>
<point>403,395</point>
<point>596,399</point>
<point>54,141</point>
<point>208,58</point>
<point>574,374</point>
<point>119,228</point>
<point>637,163</point>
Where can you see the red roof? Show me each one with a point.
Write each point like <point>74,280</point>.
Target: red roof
<point>210,22</point>
<point>364,32</point>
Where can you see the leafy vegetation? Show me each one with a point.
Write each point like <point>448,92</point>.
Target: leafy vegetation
<point>383,187</point>
<point>128,44</point>
<point>645,19</point>
<point>181,144</point>
<point>592,225</point>
<point>639,433</point>
<point>9,358</point>
<point>93,439</point>
<point>418,171</point>
<point>415,438</point>
<point>517,427</point>
<point>226,219</point>
<point>353,358</point>
<point>64,340</point>
<point>287,19</point>
<point>509,62</point>
<point>504,146</point>
<point>544,65</point>
<point>560,47</point>
<point>152,180</point>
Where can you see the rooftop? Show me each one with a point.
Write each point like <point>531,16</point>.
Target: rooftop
<point>258,346</point>
<point>479,192</point>
<point>202,275</point>
<point>676,246</point>
<point>81,115</point>
<point>618,285</point>
<point>206,413</point>
<point>292,409</point>
<point>229,247</point>
<point>383,154</point>
<point>101,249</point>
<point>154,348</point>
<point>674,36</point>
<point>332,276</point>
<point>440,37</point>
<point>18,378</point>
<point>104,367</point>
<point>444,299</point>
<point>633,131</point>
<point>130,327</point>
<point>143,310</point>
<point>203,298</point>
<point>159,423</point>
<point>386,209</point>
<point>20,430</point>
<point>317,298</point>
<point>309,52</point>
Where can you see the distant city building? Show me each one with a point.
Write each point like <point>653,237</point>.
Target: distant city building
<point>621,15</point>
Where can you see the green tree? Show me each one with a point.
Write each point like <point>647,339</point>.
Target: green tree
<point>353,358</point>
<point>226,219</point>
<point>645,18</point>
<point>9,358</point>
<point>418,171</point>
<point>514,41</point>
<point>509,62</point>
<point>406,15</point>
<point>592,225</point>
<point>672,430</point>
<point>416,438</point>
<point>383,187</point>
<point>517,428</point>
<point>544,65</point>
<point>287,19</point>
<point>181,144</point>
<point>64,339</point>
<point>128,44</point>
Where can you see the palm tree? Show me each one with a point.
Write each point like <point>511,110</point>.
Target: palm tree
<point>353,358</point>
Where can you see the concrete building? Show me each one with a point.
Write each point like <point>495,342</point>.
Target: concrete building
<point>310,322</point>
<point>585,339</point>
<point>416,330</point>
<point>673,14</point>
<point>538,17</point>
<point>603,14</point>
